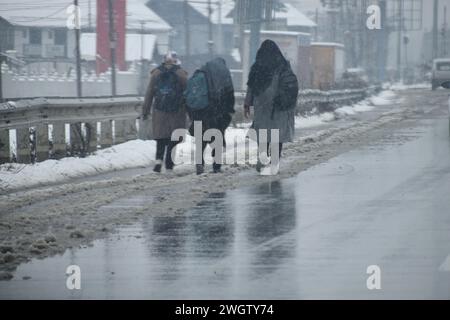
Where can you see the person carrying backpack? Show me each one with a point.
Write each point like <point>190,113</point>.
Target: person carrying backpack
<point>210,99</point>
<point>272,91</point>
<point>164,98</point>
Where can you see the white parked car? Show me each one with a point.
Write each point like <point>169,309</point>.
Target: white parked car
<point>440,73</point>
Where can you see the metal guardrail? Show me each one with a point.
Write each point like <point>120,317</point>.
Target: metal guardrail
<point>58,127</point>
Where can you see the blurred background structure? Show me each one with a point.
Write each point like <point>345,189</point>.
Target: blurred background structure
<point>326,41</point>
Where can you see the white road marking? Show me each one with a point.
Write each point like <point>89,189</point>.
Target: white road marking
<point>445,266</point>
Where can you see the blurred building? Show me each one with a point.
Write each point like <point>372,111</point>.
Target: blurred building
<point>37,33</point>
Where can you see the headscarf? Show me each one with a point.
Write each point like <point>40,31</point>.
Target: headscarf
<point>218,75</point>
<point>171,57</point>
<point>268,59</point>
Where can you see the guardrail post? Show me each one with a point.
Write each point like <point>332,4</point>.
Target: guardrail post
<point>130,129</point>
<point>91,136</point>
<point>119,131</point>
<point>23,145</point>
<point>42,142</point>
<point>59,148</point>
<point>106,137</point>
<point>76,140</point>
<point>4,146</point>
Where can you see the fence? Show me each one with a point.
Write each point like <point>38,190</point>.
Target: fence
<point>16,85</point>
<point>42,128</point>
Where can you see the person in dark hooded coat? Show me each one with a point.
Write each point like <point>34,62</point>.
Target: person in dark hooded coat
<point>265,94</point>
<point>218,114</point>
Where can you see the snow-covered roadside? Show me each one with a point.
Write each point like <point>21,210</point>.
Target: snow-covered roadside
<point>400,86</point>
<point>139,153</point>
<point>384,98</point>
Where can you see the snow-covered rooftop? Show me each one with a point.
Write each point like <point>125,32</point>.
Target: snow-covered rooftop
<point>327,44</point>
<point>52,13</point>
<point>293,16</point>
<point>218,13</point>
<point>132,46</point>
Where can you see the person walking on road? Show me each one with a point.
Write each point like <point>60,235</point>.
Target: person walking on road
<point>210,100</point>
<point>272,91</point>
<point>164,99</point>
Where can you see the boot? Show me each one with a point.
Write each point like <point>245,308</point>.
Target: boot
<point>200,169</point>
<point>217,168</point>
<point>157,167</point>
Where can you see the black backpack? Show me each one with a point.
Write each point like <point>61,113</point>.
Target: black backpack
<point>286,98</point>
<point>168,90</point>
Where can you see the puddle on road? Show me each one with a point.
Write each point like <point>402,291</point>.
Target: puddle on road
<point>171,255</point>
<point>312,236</point>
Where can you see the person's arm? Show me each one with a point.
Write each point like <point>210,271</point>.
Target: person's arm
<point>148,101</point>
<point>248,102</point>
<point>229,100</point>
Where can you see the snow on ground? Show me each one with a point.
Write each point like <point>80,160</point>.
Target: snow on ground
<point>130,154</point>
<point>401,86</point>
<point>314,120</point>
<point>139,153</point>
<point>384,98</point>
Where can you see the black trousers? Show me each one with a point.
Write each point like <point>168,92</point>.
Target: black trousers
<point>165,146</point>
<point>280,148</point>
<point>213,152</point>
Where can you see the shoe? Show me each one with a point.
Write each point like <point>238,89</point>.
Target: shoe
<point>157,167</point>
<point>258,166</point>
<point>217,168</point>
<point>271,170</point>
<point>200,169</point>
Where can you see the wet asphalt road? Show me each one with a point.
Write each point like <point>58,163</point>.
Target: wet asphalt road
<point>309,237</point>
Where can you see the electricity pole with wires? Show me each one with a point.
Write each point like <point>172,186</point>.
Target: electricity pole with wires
<point>435,29</point>
<point>187,32</point>
<point>77,48</point>
<point>210,31</point>
<point>112,45</point>
<point>1,87</point>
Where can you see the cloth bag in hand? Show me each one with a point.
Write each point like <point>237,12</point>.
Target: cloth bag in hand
<point>145,129</point>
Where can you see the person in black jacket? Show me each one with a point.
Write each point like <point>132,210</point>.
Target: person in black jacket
<point>218,114</point>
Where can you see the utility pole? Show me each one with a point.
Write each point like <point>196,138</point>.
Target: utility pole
<point>187,32</point>
<point>1,79</point>
<point>255,28</point>
<point>89,15</point>
<point>435,29</point>
<point>77,48</point>
<point>399,39</point>
<point>382,40</point>
<point>220,29</point>
<point>210,31</point>
<point>141,71</point>
<point>112,45</point>
<point>444,34</point>
<point>316,20</point>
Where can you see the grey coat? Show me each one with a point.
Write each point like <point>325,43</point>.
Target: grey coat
<point>164,123</point>
<point>268,117</point>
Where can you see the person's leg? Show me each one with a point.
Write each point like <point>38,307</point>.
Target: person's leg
<point>171,145</point>
<point>201,167</point>
<point>259,164</point>
<point>217,166</point>
<point>269,149</point>
<point>160,148</point>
